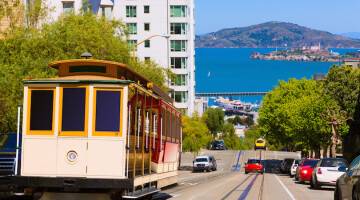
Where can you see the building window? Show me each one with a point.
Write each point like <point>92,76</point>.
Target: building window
<point>178,11</point>
<point>147,43</point>
<point>106,11</point>
<point>146,9</point>
<point>68,7</point>
<point>130,11</point>
<point>179,97</point>
<point>178,63</point>
<point>181,80</point>
<point>178,28</point>
<point>147,59</point>
<point>131,44</point>
<point>146,27</point>
<point>132,28</point>
<point>178,45</point>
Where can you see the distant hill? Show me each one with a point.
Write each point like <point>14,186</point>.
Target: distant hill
<point>353,35</point>
<point>272,34</point>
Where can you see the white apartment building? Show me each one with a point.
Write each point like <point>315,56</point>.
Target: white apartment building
<point>145,18</point>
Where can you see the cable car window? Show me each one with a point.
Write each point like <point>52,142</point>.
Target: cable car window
<point>163,128</point>
<point>107,111</point>
<point>173,126</point>
<point>73,109</point>
<point>89,68</point>
<point>42,110</point>
<point>177,127</point>
<point>168,124</point>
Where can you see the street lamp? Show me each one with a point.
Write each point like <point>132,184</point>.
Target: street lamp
<point>134,45</point>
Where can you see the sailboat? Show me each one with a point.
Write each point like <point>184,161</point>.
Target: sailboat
<point>209,74</point>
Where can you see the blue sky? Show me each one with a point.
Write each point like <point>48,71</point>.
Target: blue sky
<point>335,16</point>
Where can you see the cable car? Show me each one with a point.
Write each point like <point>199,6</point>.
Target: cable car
<point>98,127</point>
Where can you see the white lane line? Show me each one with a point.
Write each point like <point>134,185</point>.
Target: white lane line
<point>289,193</point>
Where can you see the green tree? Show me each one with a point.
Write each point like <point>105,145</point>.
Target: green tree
<point>214,119</point>
<point>342,84</point>
<point>27,50</point>
<point>231,140</point>
<point>249,121</point>
<point>290,115</point>
<point>195,134</point>
<point>237,120</point>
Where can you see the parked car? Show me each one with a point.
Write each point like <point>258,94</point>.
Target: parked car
<point>286,165</point>
<point>254,165</point>
<point>218,145</point>
<point>202,163</point>
<point>306,168</point>
<point>327,172</point>
<point>260,144</point>
<point>348,184</point>
<point>293,167</point>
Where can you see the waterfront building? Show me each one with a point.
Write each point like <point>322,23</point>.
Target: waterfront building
<point>172,19</point>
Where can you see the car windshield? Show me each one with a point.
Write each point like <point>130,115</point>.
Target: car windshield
<point>201,159</point>
<point>260,141</point>
<point>218,142</point>
<point>334,163</point>
<point>254,161</point>
<point>311,163</point>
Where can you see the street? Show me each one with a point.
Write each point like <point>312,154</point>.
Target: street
<point>231,182</point>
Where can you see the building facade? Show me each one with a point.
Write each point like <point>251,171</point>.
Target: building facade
<point>173,48</point>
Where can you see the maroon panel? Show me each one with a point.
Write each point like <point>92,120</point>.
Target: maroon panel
<point>171,152</point>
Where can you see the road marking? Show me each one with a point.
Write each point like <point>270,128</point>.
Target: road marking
<point>289,193</point>
<point>174,195</point>
<point>237,163</point>
<point>248,188</point>
<point>234,177</point>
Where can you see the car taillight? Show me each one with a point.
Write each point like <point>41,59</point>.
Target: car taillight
<point>294,167</point>
<point>319,171</point>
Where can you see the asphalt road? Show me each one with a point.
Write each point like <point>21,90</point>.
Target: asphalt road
<point>231,182</point>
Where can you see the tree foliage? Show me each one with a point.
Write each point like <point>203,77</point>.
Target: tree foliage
<point>26,51</point>
<point>231,140</point>
<point>290,114</point>
<point>195,133</point>
<point>214,119</point>
<point>342,85</point>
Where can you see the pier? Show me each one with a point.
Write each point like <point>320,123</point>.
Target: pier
<point>213,94</point>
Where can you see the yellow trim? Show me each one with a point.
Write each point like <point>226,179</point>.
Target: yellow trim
<point>28,114</point>
<point>106,133</point>
<point>74,133</point>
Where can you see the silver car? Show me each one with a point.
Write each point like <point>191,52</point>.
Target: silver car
<point>202,163</point>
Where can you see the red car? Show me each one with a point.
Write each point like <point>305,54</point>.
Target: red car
<point>254,166</point>
<point>306,168</point>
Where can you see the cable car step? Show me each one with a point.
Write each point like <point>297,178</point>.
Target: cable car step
<point>141,193</point>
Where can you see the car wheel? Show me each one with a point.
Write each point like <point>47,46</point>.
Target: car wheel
<point>337,193</point>
<point>311,182</point>
<point>299,180</point>
<point>246,172</point>
<point>355,194</point>
<point>208,170</point>
<point>317,186</point>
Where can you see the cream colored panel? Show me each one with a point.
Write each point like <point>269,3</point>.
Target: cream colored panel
<point>106,158</point>
<point>39,156</point>
<point>66,167</point>
<point>165,167</point>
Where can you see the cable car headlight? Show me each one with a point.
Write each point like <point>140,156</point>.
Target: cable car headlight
<point>72,156</point>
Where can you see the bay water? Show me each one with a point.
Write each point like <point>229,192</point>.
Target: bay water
<point>232,70</point>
